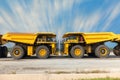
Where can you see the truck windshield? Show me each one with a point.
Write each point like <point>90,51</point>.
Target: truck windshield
<point>50,39</point>
<point>46,38</point>
<point>70,38</point>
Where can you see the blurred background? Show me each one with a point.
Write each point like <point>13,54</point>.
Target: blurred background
<point>59,16</point>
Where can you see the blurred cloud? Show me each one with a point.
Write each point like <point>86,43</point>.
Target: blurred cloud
<point>86,23</point>
<point>54,16</point>
<point>114,11</point>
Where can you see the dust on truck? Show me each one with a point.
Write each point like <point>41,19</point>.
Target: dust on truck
<point>27,44</point>
<point>76,44</point>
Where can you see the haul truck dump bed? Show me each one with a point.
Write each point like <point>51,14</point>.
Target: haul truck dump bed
<point>90,38</point>
<point>27,44</point>
<point>76,44</point>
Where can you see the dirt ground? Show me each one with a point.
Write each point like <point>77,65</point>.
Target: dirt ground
<point>58,68</point>
<point>57,76</point>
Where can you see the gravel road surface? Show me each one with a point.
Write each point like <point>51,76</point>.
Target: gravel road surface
<point>60,65</point>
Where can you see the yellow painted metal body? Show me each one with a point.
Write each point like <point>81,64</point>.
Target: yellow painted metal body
<point>95,37</point>
<point>30,50</point>
<point>27,38</point>
<point>118,38</point>
<point>89,38</point>
<point>66,48</point>
<point>88,49</point>
<point>31,39</point>
<point>53,47</point>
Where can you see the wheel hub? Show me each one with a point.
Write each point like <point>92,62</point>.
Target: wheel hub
<point>16,52</point>
<point>77,52</point>
<point>103,51</point>
<point>42,52</point>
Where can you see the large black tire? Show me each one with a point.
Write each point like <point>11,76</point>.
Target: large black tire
<point>25,50</point>
<point>0,52</point>
<point>116,50</point>
<point>42,52</point>
<point>102,51</point>
<point>17,52</point>
<point>4,52</point>
<point>77,51</point>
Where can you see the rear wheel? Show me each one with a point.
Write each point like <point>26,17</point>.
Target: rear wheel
<point>77,51</point>
<point>116,50</point>
<point>102,51</point>
<point>17,52</point>
<point>42,52</point>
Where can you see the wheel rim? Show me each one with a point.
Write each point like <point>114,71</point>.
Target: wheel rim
<point>77,51</point>
<point>42,52</point>
<point>16,52</point>
<point>103,51</point>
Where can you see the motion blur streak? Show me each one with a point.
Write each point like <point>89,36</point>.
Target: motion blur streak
<point>58,16</point>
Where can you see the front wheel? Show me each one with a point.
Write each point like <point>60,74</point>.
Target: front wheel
<point>77,51</point>
<point>42,52</point>
<point>102,51</point>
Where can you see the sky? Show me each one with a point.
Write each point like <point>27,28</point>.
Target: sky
<point>59,16</point>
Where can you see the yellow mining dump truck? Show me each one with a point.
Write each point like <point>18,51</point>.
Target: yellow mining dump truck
<point>27,44</point>
<point>3,49</point>
<point>77,44</point>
